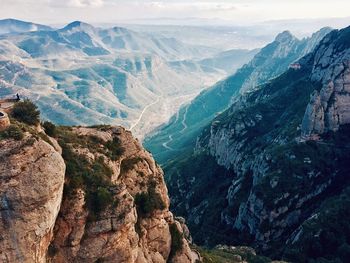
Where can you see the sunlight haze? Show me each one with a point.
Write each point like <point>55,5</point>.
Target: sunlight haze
<point>230,11</point>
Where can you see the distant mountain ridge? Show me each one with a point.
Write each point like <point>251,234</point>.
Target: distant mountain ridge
<point>96,75</point>
<point>8,26</point>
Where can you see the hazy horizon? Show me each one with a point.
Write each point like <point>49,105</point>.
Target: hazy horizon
<point>223,12</point>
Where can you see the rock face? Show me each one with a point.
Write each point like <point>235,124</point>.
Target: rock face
<point>120,232</point>
<point>329,107</point>
<point>31,187</point>
<point>272,158</point>
<point>94,196</point>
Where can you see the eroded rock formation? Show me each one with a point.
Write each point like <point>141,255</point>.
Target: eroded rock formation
<point>31,187</point>
<point>117,211</point>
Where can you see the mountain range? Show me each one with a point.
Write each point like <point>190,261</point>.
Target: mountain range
<point>180,133</point>
<point>8,26</point>
<point>115,75</point>
<point>271,171</point>
<point>256,163</point>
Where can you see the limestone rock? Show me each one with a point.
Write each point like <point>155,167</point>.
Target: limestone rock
<point>329,108</point>
<point>119,233</point>
<point>31,187</point>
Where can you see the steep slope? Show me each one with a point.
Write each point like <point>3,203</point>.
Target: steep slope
<point>8,26</point>
<point>230,60</point>
<point>180,133</point>
<point>90,195</point>
<point>274,166</point>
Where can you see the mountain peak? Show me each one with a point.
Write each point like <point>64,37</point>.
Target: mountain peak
<point>77,24</point>
<point>285,36</point>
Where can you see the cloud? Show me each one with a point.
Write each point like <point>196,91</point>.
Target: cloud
<point>76,3</point>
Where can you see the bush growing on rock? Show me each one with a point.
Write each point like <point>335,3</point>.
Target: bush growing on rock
<point>176,240</point>
<point>27,112</point>
<point>13,132</point>
<point>149,201</point>
<point>50,128</point>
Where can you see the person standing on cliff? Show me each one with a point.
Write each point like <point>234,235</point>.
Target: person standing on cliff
<point>17,97</point>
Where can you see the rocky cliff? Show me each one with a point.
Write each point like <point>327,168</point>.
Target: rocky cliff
<point>128,219</point>
<point>86,195</point>
<point>275,162</point>
<point>31,179</point>
<point>329,107</point>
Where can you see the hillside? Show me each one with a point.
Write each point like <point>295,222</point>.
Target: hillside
<point>180,133</point>
<point>272,170</point>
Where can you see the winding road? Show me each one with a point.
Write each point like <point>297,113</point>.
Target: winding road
<point>165,144</point>
<point>143,112</point>
<point>184,120</point>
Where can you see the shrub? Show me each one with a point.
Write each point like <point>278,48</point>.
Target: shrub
<point>50,129</point>
<point>91,177</point>
<point>149,201</point>
<point>115,149</point>
<point>102,199</point>
<point>13,132</point>
<point>176,240</point>
<point>27,112</point>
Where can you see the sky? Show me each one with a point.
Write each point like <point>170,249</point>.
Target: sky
<point>109,11</point>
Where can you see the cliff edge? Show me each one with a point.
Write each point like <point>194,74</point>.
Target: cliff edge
<point>84,195</point>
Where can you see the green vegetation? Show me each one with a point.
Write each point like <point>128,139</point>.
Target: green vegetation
<point>115,149</point>
<point>26,112</point>
<point>232,255</point>
<point>206,180</point>
<point>176,240</point>
<point>325,237</point>
<point>50,128</point>
<point>111,149</point>
<point>13,131</point>
<point>92,176</point>
<point>147,202</point>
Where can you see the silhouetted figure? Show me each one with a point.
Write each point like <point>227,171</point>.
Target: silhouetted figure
<point>17,97</point>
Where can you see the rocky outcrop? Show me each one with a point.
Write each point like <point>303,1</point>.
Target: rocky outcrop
<point>114,206</point>
<point>31,187</point>
<point>121,232</point>
<point>329,108</point>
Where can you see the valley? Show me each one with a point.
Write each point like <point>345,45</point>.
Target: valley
<point>108,75</point>
<point>270,170</point>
